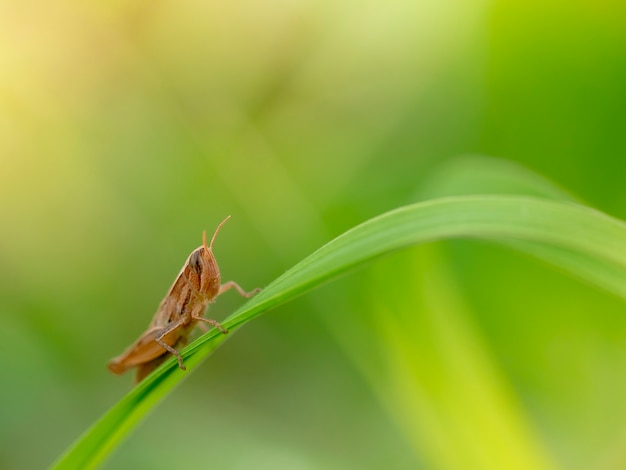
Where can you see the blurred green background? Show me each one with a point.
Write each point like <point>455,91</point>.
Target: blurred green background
<point>127,128</point>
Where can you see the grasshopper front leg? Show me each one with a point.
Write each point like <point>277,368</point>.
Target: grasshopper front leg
<point>223,288</point>
<point>233,285</point>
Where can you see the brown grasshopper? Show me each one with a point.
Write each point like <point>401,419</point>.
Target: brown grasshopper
<point>197,285</point>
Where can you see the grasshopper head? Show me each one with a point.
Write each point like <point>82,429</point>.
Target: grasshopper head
<point>203,264</point>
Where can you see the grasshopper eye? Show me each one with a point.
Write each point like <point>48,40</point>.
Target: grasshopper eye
<point>195,262</point>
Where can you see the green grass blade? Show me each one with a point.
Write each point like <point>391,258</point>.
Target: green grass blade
<point>568,228</point>
<point>477,174</point>
<point>431,347</point>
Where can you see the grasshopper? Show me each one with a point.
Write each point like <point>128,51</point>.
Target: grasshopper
<point>195,287</point>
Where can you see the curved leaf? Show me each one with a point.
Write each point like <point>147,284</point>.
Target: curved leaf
<point>581,240</point>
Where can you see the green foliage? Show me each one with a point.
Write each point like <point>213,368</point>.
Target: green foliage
<point>579,239</point>
<point>126,130</point>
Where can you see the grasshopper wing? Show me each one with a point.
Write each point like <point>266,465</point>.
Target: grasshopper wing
<point>145,349</point>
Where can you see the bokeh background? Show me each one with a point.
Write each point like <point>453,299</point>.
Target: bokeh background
<point>126,128</point>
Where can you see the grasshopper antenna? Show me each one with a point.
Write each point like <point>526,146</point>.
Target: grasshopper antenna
<point>217,230</point>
